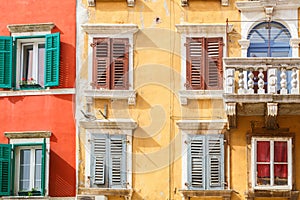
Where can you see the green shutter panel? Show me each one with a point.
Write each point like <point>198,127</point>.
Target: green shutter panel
<point>214,67</point>
<point>117,162</point>
<point>196,162</point>
<point>194,63</point>
<point>5,62</point>
<point>101,63</point>
<point>215,161</point>
<point>5,169</point>
<point>98,159</point>
<point>52,59</point>
<point>119,65</point>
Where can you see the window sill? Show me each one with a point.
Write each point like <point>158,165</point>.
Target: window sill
<point>292,195</point>
<point>226,194</point>
<point>25,197</point>
<point>130,95</point>
<point>32,92</point>
<point>105,191</point>
<point>184,95</point>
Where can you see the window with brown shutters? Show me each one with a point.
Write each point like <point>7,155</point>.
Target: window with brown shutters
<point>204,69</point>
<point>110,66</point>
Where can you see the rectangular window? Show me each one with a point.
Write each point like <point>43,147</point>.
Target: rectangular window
<point>204,69</point>
<point>36,64</point>
<point>110,65</point>
<point>272,163</point>
<point>205,162</point>
<point>108,161</point>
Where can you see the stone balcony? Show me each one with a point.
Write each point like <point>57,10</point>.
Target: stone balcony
<point>261,86</point>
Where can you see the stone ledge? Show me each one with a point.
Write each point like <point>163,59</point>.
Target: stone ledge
<point>262,98</point>
<point>20,28</point>
<point>130,95</point>
<point>226,194</point>
<point>201,124</point>
<point>62,91</point>
<point>204,29</point>
<point>289,194</point>
<point>104,191</point>
<point>109,28</point>
<point>184,95</point>
<point>28,134</point>
<point>122,124</point>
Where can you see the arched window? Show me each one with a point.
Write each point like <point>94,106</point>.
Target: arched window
<point>269,39</point>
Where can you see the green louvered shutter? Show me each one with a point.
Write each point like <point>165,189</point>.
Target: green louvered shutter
<point>52,59</point>
<point>117,161</point>
<point>5,62</point>
<point>5,169</point>
<point>196,162</point>
<point>215,162</point>
<point>99,159</point>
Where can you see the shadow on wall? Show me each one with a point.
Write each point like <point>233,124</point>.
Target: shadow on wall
<point>62,178</point>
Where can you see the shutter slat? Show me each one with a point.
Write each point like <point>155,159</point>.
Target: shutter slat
<point>5,62</point>
<point>101,62</point>
<point>99,157</point>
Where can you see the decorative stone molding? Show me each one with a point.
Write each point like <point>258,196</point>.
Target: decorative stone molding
<point>185,3</point>
<point>109,28</point>
<point>260,5</point>
<point>271,116</point>
<point>184,95</point>
<point>244,44</point>
<point>122,124</point>
<point>231,114</point>
<point>204,29</point>
<point>130,95</point>
<point>28,134</point>
<point>201,124</point>
<point>130,3</point>
<point>21,28</point>
<point>126,193</point>
<point>225,194</point>
<point>257,62</point>
<point>291,195</point>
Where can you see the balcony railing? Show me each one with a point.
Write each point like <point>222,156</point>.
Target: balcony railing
<point>267,77</point>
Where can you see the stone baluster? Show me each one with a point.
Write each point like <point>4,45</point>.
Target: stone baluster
<point>283,82</point>
<point>272,80</point>
<point>261,82</point>
<point>241,89</point>
<point>230,81</point>
<point>294,82</point>
<point>250,82</point>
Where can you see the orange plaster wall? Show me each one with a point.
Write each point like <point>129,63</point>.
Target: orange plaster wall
<point>46,113</point>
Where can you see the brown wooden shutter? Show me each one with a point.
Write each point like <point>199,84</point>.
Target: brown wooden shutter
<point>119,65</point>
<point>194,63</point>
<point>101,56</point>
<point>214,67</point>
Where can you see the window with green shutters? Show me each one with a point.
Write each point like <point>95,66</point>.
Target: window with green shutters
<point>205,162</point>
<point>108,161</point>
<point>29,62</point>
<point>22,169</point>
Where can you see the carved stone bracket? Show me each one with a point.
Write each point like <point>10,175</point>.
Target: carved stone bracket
<point>130,3</point>
<point>231,114</point>
<point>271,116</point>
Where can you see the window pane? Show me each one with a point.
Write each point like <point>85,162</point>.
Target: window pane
<point>263,151</point>
<point>280,151</point>
<point>24,170</point>
<point>263,174</point>
<point>281,174</point>
<point>38,169</point>
<point>27,67</point>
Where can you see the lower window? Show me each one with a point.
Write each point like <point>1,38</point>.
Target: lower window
<point>272,161</point>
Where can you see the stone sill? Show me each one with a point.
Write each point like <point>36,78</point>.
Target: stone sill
<point>293,195</point>
<point>110,28</point>
<point>226,194</point>
<point>26,197</point>
<point>184,95</point>
<point>122,124</point>
<point>4,93</point>
<point>202,124</point>
<point>262,98</point>
<point>130,95</point>
<point>104,191</point>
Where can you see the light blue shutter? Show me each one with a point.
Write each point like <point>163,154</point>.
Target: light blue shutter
<point>215,161</point>
<point>52,59</point>
<point>5,62</point>
<point>117,161</point>
<point>196,162</point>
<point>98,159</point>
<point>5,169</point>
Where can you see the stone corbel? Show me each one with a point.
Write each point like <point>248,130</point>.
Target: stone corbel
<point>130,3</point>
<point>271,116</point>
<point>231,114</point>
<point>91,3</point>
<point>269,12</point>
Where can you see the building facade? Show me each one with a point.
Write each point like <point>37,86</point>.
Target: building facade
<point>37,81</point>
<point>187,99</point>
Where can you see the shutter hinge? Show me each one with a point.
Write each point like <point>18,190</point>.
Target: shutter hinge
<point>93,44</point>
<point>187,141</point>
<point>185,44</point>
<point>187,184</point>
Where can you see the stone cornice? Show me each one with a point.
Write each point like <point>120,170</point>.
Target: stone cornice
<point>122,124</point>
<point>21,28</point>
<point>110,28</point>
<point>130,95</point>
<point>202,124</point>
<point>27,134</point>
<point>204,28</point>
